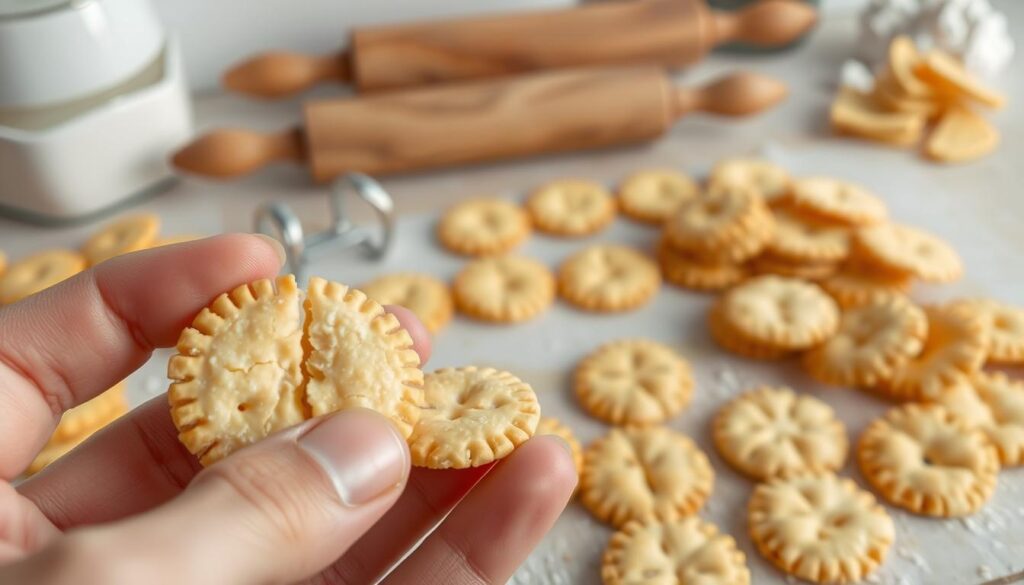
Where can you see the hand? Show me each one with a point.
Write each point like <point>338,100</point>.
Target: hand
<point>332,500</point>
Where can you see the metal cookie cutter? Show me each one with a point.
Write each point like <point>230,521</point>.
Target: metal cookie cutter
<point>277,220</point>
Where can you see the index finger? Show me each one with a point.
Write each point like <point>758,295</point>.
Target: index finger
<point>66,344</point>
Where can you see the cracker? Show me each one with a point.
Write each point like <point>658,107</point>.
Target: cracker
<point>864,115</point>
<point>37,272</point>
<point>128,234</point>
<point>642,474</point>
<point>549,425</point>
<point>902,249</point>
<point>961,136</point>
<point>774,432</point>
<point>483,226</point>
<point>855,284</point>
<point>91,415</point>
<point>725,224</point>
<point>922,458</point>
<point>1004,325</point>
<point>608,278</point>
<point>633,382</point>
<point>820,527</point>
<point>948,77</point>
<point>506,289</point>
<point>902,63</point>
<point>422,294</point>
<point>769,180</point>
<point>994,404</point>
<point>888,94</point>
<point>769,263</point>
<point>873,341</point>
<point>783,313</point>
<point>571,207</point>
<point>80,423</point>
<point>838,201</point>
<point>684,550</point>
<point>733,340</point>
<point>472,416</point>
<point>653,195</point>
<point>954,348</point>
<point>805,239</point>
<point>248,366</point>
<point>690,271</point>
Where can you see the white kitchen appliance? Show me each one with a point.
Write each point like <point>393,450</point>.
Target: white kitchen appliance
<point>92,99</point>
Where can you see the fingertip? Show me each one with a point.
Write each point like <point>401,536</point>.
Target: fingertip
<point>550,460</point>
<point>411,323</point>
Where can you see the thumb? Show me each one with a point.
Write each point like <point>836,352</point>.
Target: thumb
<point>275,512</point>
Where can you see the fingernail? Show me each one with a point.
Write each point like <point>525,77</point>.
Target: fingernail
<point>362,453</point>
<point>276,245</point>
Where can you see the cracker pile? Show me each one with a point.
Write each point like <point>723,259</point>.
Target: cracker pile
<point>914,96</point>
<point>42,270</point>
<point>811,268</point>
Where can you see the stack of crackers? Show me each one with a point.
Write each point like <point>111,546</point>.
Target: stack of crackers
<point>914,92</point>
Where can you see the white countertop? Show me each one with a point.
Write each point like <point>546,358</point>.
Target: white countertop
<point>978,207</point>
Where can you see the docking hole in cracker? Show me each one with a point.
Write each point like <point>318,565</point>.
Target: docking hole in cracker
<point>820,527</point>
<point>775,432</point>
<point>472,416</point>
<point>252,363</point>
<point>648,473</point>
<point>678,551</point>
<point>633,382</point>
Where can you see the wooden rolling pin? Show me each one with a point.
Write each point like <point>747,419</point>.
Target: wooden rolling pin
<point>670,33</point>
<point>429,127</point>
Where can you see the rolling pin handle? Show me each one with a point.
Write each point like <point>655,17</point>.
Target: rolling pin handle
<point>768,23</point>
<point>280,74</point>
<point>229,153</point>
<point>738,94</point>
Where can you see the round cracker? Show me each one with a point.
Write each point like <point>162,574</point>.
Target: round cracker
<point>783,313</point>
<point>633,382</point>
<point>684,550</point>
<point>128,234</point>
<point>819,527</point>
<point>642,474</point>
<point>775,432</point>
<point>993,403</point>
<point>653,195</point>
<point>38,272</point>
<point>472,416</point>
<point>483,226</point>
<point>837,200</point>
<point>905,250</point>
<point>803,239</point>
<point>506,289</point>
<point>769,180</point>
<point>725,224</point>
<point>690,271</point>
<point>427,297</point>
<point>872,342</point>
<point>922,458</point>
<point>608,278</point>
<point>1004,324</point>
<point>571,207</point>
